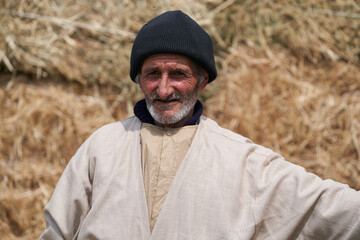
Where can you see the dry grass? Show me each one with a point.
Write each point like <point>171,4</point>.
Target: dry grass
<point>288,79</point>
<point>312,30</point>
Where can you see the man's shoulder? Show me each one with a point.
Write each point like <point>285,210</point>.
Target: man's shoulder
<point>130,124</point>
<point>213,127</point>
<point>228,136</point>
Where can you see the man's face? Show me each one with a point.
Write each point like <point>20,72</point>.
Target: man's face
<point>170,85</point>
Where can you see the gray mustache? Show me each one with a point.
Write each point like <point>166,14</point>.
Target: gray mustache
<point>173,97</point>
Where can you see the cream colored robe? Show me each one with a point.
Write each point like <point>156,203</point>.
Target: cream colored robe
<point>226,188</point>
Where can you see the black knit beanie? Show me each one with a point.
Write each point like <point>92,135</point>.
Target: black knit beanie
<point>173,32</point>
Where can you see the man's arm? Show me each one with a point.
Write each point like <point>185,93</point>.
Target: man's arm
<point>294,204</point>
<point>71,199</point>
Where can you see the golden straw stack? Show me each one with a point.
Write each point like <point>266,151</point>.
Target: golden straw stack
<point>289,79</point>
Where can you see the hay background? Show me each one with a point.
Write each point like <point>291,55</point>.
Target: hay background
<point>288,79</point>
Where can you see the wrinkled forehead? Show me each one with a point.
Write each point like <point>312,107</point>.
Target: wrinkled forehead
<point>168,60</point>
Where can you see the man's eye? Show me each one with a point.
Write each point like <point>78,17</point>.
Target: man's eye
<point>178,73</point>
<point>153,74</point>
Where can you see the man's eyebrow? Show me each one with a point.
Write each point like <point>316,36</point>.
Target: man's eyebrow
<point>180,69</point>
<point>171,69</point>
<point>151,69</point>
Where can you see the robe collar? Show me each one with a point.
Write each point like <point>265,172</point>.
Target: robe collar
<point>141,112</point>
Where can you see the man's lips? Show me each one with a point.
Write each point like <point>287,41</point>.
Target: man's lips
<point>165,104</point>
<point>166,101</point>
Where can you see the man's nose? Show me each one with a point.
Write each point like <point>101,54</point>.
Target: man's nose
<point>164,89</point>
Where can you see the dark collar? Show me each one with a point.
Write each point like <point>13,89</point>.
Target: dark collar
<point>141,112</point>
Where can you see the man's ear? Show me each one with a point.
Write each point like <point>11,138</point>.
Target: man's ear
<point>203,84</point>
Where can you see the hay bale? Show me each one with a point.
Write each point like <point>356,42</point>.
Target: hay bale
<point>316,31</point>
<point>52,119</point>
<point>24,191</point>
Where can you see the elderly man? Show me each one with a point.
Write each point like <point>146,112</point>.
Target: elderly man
<point>170,173</point>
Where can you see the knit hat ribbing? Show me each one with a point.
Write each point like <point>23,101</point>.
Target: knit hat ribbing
<point>173,32</point>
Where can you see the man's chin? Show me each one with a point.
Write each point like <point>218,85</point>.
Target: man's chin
<point>161,106</point>
<point>167,117</point>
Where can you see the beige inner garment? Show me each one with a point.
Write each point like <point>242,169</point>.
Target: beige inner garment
<point>162,151</point>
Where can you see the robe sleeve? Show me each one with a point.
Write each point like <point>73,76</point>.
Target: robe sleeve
<point>294,204</point>
<point>71,199</point>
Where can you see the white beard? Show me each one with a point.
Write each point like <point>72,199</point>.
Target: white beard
<point>190,101</point>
